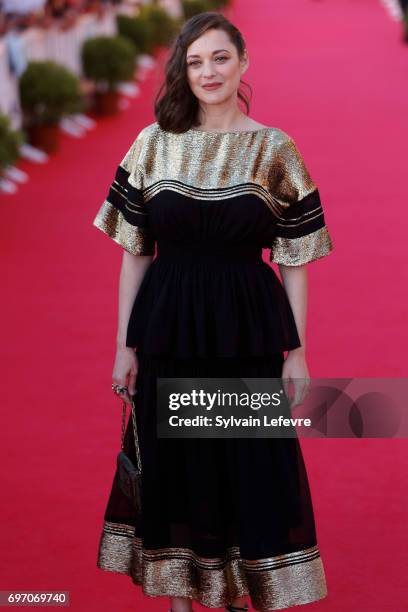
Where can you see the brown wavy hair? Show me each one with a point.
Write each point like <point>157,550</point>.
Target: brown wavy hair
<point>177,109</point>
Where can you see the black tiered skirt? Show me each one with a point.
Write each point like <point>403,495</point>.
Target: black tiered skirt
<point>221,518</point>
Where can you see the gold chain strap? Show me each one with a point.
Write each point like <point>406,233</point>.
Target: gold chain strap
<point>133,417</point>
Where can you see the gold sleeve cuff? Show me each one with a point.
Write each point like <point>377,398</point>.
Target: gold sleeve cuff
<point>299,251</point>
<point>133,239</point>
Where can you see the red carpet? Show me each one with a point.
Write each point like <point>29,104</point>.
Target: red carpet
<point>334,76</point>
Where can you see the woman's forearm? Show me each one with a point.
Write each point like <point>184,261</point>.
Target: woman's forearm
<point>131,275</point>
<point>295,281</point>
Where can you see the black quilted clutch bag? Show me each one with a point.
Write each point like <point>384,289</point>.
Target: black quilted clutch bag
<point>130,475</point>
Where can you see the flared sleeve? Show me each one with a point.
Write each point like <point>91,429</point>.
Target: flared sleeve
<point>301,233</point>
<point>122,215</point>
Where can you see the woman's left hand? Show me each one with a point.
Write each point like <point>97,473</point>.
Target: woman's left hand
<point>295,370</point>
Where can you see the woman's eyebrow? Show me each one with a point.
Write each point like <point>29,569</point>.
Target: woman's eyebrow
<point>217,51</point>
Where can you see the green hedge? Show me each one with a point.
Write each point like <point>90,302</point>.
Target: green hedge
<point>162,26</point>
<point>194,7</point>
<point>137,29</point>
<point>49,91</point>
<point>10,142</point>
<point>108,59</point>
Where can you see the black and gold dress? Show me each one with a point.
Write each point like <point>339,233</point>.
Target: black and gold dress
<point>220,517</point>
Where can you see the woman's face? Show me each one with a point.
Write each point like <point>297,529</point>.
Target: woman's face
<point>213,59</point>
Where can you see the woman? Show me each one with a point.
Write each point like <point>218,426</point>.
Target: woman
<point>222,519</point>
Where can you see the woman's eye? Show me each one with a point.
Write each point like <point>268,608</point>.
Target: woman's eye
<point>196,62</point>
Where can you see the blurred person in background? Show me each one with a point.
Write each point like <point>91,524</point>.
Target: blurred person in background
<point>21,14</point>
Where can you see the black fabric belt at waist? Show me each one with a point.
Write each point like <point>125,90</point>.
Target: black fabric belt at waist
<point>208,251</point>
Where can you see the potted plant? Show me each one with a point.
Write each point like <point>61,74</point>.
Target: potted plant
<point>405,25</point>
<point>108,60</point>
<point>48,92</point>
<point>194,7</point>
<point>137,29</point>
<point>162,26</point>
<point>10,143</point>
<point>220,4</point>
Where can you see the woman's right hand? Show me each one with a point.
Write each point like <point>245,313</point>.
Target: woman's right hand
<point>125,371</point>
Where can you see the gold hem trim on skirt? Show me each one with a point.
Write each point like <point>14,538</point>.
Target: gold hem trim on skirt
<point>272,583</point>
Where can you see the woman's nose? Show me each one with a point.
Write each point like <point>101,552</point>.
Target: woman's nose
<point>208,69</point>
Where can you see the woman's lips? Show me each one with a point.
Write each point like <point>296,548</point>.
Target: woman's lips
<point>212,86</point>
